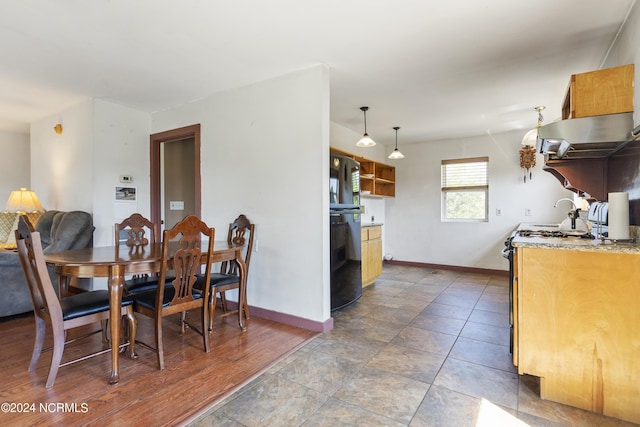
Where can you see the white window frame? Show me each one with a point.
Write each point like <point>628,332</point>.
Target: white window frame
<point>464,185</point>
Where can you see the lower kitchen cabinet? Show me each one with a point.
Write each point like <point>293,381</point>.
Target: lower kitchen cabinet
<point>371,253</point>
<point>577,327</point>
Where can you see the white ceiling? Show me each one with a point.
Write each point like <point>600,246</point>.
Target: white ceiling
<point>438,70</point>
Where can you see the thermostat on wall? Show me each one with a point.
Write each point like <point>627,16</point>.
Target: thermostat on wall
<point>126,178</point>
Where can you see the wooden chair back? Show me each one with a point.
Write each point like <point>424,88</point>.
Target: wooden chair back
<point>46,304</point>
<point>241,232</point>
<point>185,262</point>
<point>140,232</point>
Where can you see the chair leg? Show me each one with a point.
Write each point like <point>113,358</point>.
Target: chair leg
<point>223,301</point>
<point>246,305</point>
<point>183,322</point>
<point>205,323</point>
<point>41,330</point>
<point>104,324</point>
<point>159,346</point>
<point>212,307</point>
<point>133,330</point>
<point>56,357</point>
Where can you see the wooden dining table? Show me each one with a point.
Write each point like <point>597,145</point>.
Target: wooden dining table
<point>117,262</point>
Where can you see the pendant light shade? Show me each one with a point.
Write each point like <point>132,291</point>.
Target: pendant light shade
<point>531,137</point>
<point>528,149</point>
<point>366,140</point>
<point>396,154</point>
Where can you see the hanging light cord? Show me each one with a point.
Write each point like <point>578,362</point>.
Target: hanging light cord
<point>396,128</point>
<point>364,110</point>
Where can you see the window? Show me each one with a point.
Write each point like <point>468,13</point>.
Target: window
<point>465,189</point>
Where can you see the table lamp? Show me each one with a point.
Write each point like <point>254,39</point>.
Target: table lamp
<point>23,201</point>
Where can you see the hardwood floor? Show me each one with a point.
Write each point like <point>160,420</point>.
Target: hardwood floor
<point>191,382</point>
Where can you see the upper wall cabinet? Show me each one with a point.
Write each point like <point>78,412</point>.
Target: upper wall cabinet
<point>600,92</point>
<point>376,179</point>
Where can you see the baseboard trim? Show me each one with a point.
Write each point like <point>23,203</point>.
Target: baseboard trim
<point>450,267</point>
<point>288,319</point>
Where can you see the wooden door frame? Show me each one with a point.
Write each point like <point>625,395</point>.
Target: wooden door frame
<point>155,141</point>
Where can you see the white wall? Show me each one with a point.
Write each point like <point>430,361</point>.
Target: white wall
<point>79,169</point>
<point>264,151</point>
<point>121,147</point>
<point>62,165</point>
<point>414,230</point>
<point>16,167</point>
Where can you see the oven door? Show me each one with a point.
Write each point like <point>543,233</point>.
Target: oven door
<point>509,253</point>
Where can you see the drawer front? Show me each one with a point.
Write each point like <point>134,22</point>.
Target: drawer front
<point>364,234</point>
<point>375,232</point>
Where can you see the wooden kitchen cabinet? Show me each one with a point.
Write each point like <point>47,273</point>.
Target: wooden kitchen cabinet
<point>577,327</point>
<point>371,237</point>
<point>376,179</point>
<point>607,91</point>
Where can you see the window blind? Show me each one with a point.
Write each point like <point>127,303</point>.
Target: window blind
<point>465,174</point>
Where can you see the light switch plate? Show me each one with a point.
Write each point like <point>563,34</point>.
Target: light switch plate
<point>126,178</point>
<point>176,205</point>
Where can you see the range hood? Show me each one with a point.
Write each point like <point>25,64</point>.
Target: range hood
<point>586,137</point>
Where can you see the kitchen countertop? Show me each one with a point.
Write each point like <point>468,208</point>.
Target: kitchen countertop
<point>371,224</point>
<point>573,243</point>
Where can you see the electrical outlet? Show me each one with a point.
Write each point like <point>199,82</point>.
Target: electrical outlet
<point>527,211</point>
<point>498,212</point>
<point>126,178</point>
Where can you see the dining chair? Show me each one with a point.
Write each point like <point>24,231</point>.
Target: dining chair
<point>62,314</point>
<point>241,232</point>
<point>137,233</point>
<point>185,262</point>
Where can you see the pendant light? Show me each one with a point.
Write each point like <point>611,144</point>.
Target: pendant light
<point>528,149</point>
<point>366,140</point>
<point>396,154</point>
<point>531,137</point>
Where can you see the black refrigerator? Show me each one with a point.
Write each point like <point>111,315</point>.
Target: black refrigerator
<point>344,203</point>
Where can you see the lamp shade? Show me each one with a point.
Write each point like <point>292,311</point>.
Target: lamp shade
<point>531,138</point>
<point>365,141</point>
<point>23,200</point>
<point>396,154</point>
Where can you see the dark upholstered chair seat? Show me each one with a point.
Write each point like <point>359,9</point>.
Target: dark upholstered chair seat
<point>87,303</point>
<point>148,299</point>
<point>142,284</point>
<point>217,279</point>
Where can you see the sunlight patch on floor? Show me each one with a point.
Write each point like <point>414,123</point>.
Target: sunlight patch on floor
<point>490,415</point>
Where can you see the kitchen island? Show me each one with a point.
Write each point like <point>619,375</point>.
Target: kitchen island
<point>577,321</point>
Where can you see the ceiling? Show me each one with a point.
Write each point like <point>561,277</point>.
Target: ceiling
<point>439,70</point>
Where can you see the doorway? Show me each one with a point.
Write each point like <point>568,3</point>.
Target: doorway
<point>175,175</point>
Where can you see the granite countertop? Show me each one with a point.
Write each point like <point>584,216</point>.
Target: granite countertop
<point>574,243</point>
<point>371,224</point>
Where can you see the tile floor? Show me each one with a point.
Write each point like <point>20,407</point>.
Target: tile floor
<point>422,347</point>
